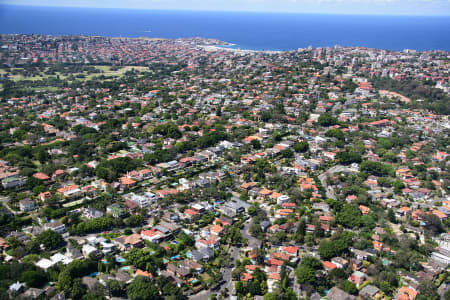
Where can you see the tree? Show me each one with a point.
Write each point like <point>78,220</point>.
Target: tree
<point>235,235</point>
<point>427,289</point>
<point>137,257</point>
<point>50,239</point>
<point>376,168</point>
<point>301,146</point>
<point>385,287</point>
<point>407,260</point>
<point>391,216</point>
<point>349,85</point>
<point>348,156</point>
<point>335,133</point>
<point>337,275</point>
<point>141,289</point>
<point>255,144</point>
<point>42,155</point>
<point>168,130</point>
<point>311,262</point>
<point>77,289</point>
<point>271,296</point>
<point>287,153</point>
<point>64,281</point>
<point>398,186</point>
<point>384,181</point>
<point>305,274</point>
<point>34,279</point>
<point>255,230</point>
<point>252,210</point>
<point>349,287</point>
<point>134,220</point>
<point>326,120</point>
<point>327,249</point>
<point>349,216</point>
<point>433,223</point>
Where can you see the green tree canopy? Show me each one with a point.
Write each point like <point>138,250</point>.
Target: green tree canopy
<point>142,289</point>
<point>50,239</point>
<point>326,120</point>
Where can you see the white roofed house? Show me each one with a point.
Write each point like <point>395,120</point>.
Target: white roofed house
<point>92,213</point>
<point>55,259</point>
<point>16,288</point>
<point>45,264</point>
<point>282,199</point>
<point>61,258</point>
<point>55,226</point>
<point>88,250</point>
<point>107,247</point>
<point>198,207</point>
<point>141,200</point>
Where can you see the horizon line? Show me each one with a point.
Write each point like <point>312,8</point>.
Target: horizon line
<point>231,11</point>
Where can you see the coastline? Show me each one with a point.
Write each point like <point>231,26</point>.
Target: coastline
<point>238,50</point>
<point>258,32</point>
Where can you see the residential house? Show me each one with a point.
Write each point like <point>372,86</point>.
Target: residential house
<point>151,236</point>
<point>55,226</point>
<point>128,242</point>
<point>357,278</point>
<point>92,213</point>
<point>336,293</point>
<point>340,262</point>
<point>70,191</point>
<point>369,292</point>
<point>26,205</point>
<point>115,210</point>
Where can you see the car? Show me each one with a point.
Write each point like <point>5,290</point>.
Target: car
<point>216,288</point>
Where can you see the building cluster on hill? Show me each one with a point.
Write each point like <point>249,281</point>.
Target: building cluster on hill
<point>175,169</point>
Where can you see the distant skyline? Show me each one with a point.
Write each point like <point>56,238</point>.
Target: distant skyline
<point>359,7</point>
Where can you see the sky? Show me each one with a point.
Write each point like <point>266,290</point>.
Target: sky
<point>371,7</point>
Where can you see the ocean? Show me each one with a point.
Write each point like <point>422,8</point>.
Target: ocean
<point>255,31</point>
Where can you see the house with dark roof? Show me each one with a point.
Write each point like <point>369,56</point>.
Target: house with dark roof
<point>204,254</point>
<point>369,292</point>
<point>338,294</point>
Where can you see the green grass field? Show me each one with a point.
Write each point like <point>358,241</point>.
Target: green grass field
<point>104,70</point>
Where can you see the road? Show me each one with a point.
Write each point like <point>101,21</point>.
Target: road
<point>295,285</point>
<point>234,254</point>
<point>4,201</point>
<point>245,233</point>
<point>323,177</point>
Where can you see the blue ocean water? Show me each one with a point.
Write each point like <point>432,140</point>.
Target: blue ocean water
<point>259,31</point>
